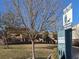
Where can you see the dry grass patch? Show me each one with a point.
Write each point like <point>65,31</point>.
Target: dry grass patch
<point>24,51</point>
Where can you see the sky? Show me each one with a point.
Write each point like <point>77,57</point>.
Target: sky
<point>2,8</point>
<point>75,11</point>
<point>75,6</point>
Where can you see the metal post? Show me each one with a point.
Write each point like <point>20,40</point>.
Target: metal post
<point>68,43</point>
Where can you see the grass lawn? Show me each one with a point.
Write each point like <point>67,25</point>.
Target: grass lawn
<point>24,51</point>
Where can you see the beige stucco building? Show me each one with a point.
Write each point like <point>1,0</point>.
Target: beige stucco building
<point>75,32</point>
<point>75,35</point>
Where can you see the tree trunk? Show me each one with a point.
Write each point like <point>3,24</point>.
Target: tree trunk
<point>33,50</point>
<point>6,43</point>
<point>7,46</point>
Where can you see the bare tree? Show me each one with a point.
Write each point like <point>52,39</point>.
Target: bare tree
<point>40,15</point>
<point>7,21</point>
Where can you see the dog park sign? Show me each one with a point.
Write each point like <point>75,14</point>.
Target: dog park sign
<point>67,17</point>
<point>65,35</point>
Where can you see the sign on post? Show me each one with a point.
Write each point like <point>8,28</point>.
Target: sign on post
<point>67,17</point>
<point>65,35</point>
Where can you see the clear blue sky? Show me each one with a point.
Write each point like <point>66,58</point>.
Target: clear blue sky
<point>75,11</point>
<point>2,8</point>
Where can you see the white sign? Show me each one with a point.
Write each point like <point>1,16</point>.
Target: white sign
<point>61,39</point>
<point>61,44</point>
<point>67,16</point>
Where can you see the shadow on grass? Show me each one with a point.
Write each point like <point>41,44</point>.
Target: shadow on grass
<point>49,47</point>
<point>41,58</point>
<point>31,58</point>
